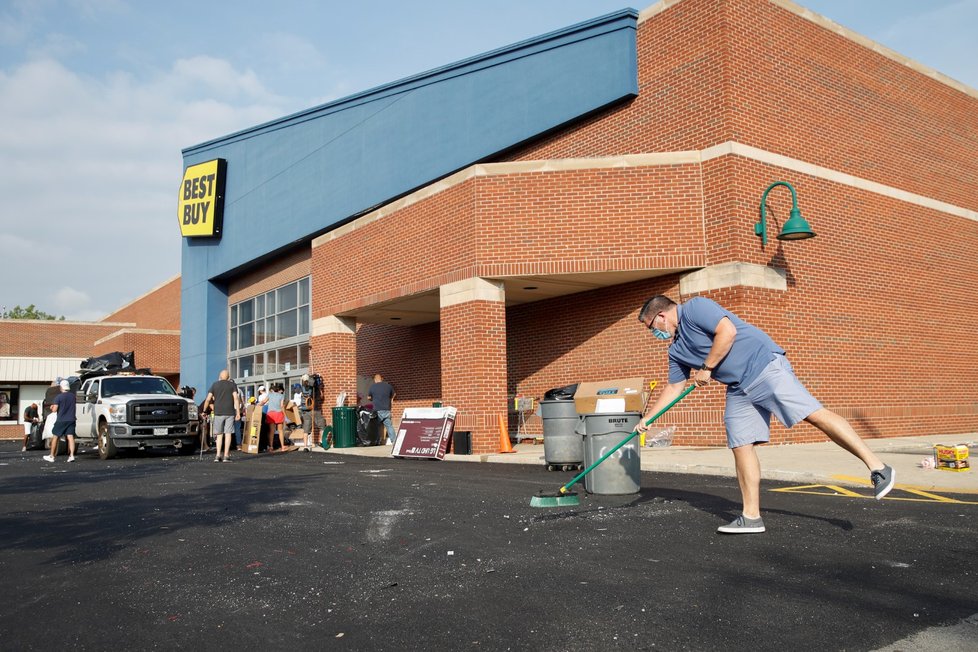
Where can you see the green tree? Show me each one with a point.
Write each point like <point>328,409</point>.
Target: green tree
<point>30,312</point>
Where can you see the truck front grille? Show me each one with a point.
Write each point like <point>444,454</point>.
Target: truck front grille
<point>148,413</point>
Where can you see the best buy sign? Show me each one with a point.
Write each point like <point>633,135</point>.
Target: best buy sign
<point>200,208</point>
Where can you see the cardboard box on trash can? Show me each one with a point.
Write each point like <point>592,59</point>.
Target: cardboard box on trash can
<point>951,458</point>
<point>609,396</point>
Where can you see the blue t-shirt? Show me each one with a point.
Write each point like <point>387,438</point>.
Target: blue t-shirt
<point>381,394</point>
<point>66,406</point>
<point>274,403</point>
<point>752,349</point>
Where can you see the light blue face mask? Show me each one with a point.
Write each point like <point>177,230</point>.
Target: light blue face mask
<point>662,335</point>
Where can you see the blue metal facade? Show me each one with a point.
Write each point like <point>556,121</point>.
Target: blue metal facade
<point>300,176</point>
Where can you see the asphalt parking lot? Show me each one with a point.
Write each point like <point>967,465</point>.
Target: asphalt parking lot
<point>306,551</point>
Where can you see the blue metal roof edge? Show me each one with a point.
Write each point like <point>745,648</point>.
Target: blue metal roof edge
<point>625,18</point>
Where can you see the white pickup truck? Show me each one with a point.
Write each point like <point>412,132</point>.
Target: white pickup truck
<point>127,410</point>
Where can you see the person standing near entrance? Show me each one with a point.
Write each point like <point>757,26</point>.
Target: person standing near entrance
<point>382,394</point>
<point>227,407</point>
<point>64,426</point>
<point>275,402</point>
<point>760,382</point>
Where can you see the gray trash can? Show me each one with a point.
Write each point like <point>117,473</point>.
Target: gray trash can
<point>562,446</point>
<point>621,473</point>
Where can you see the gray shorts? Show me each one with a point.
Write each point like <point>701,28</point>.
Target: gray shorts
<point>776,391</point>
<point>223,424</point>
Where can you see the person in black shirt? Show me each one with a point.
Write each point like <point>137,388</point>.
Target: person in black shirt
<point>31,417</point>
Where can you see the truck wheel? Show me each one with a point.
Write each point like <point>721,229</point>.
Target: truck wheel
<point>106,447</point>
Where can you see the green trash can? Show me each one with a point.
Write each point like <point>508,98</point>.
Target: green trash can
<point>344,427</point>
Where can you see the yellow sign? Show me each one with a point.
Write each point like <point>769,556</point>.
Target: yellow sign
<point>201,205</point>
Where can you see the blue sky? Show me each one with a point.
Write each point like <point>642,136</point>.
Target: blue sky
<point>98,97</point>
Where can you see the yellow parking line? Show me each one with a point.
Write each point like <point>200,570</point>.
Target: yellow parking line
<point>906,487</point>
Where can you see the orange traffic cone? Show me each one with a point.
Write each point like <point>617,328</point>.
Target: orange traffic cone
<point>504,445</point>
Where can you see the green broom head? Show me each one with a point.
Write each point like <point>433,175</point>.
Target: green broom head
<point>560,499</point>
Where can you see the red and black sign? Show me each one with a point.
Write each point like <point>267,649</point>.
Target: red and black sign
<point>425,432</point>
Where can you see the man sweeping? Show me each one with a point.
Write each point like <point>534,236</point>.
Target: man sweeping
<point>712,343</point>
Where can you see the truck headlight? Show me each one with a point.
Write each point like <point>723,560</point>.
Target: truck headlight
<point>117,413</point>
<point>192,412</point>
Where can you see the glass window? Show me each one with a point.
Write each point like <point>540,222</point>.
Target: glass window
<point>246,335</point>
<point>288,355</point>
<point>261,321</point>
<point>246,311</point>
<point>246,366</point>
<point>287,325</point>
<point>286,297</point>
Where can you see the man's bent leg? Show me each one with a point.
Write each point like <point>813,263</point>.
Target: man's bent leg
<point>841,432</point>
<point>749,478</point>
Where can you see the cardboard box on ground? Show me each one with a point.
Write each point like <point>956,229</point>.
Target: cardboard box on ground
<point>611,396</point>
<point>951,458</point>
<point>252,430</point>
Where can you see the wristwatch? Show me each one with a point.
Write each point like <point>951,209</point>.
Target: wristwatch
<point>703,367</point>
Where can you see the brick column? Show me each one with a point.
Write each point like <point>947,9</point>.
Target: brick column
<point>333,355</point>
<point>473,357</point>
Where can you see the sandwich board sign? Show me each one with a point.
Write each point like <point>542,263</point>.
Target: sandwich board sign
<point>424,433</point>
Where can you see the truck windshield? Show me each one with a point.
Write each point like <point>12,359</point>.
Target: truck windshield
<point>135,385</point>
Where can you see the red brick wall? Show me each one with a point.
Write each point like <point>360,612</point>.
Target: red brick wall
<point>158,309</point>
<point>711,71</point>
<point>51,339</point>
<point>473,346</point>
<point>288,268</point>
<point>159,352</point>
<point>409,357</point>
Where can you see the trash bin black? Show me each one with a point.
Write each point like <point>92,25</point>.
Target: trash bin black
<point>462,442</point>
<point>344,427</point>
<point>369,427</point>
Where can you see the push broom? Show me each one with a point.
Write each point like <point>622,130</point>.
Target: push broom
<point>562,498</point>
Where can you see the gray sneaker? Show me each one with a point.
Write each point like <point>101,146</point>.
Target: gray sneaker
<point>883,481</point>
<point>743,525</point>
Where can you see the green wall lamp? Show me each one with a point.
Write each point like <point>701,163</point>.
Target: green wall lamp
<point>796,228</point>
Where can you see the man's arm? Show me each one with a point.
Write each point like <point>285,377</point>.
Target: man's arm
<point>723,340</point>
<point>668,395</point>
<point>207,403</point>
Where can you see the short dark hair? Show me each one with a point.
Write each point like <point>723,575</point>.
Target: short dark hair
<point>654,306</point>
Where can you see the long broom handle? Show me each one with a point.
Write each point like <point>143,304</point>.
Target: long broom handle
<point>626,439</point>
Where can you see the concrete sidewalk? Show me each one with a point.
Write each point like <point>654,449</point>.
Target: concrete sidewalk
<point>822,463</point>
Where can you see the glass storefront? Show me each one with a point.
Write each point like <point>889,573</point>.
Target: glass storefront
<point>269,338</point>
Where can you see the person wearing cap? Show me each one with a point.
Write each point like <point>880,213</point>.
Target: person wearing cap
<point>711,343</point>
<point>64,425</point>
